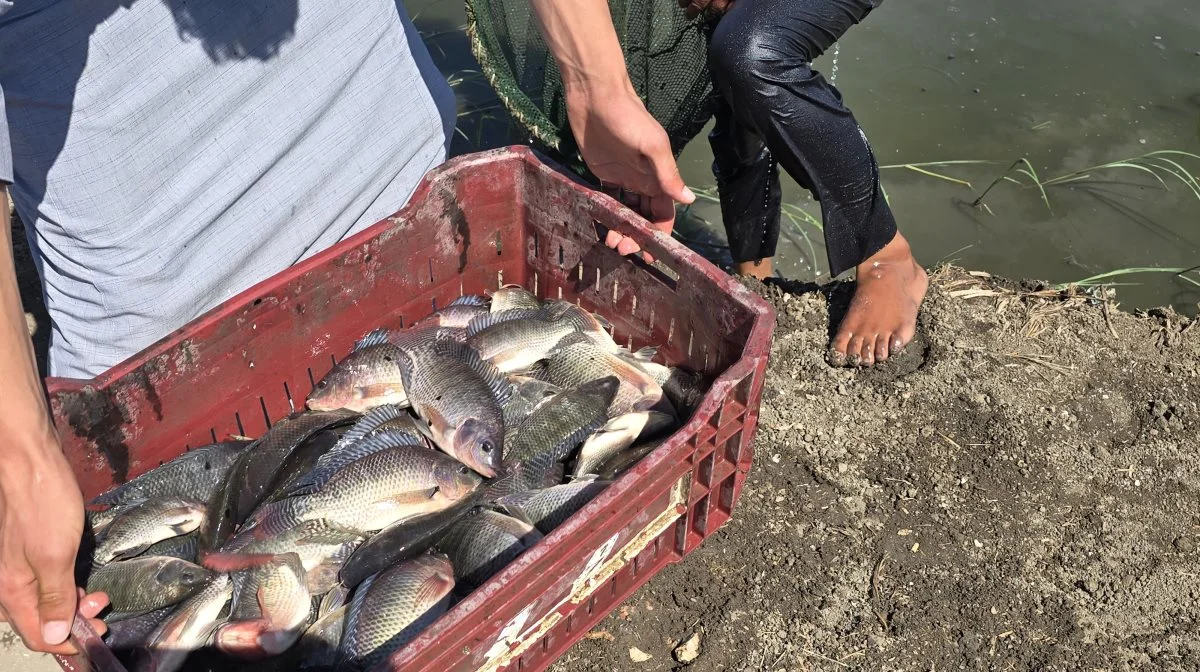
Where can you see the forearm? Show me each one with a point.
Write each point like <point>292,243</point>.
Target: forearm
<point>24,421</point>
<point>582,39</point>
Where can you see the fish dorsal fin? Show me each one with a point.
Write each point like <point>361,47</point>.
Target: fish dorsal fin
<point>372,338</point>
<point>496,381</point>
<point>492,319</point>
<point>470,300</point>
<point>370,422</point>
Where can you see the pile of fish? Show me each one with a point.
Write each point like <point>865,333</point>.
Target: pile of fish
<point>426,461</point>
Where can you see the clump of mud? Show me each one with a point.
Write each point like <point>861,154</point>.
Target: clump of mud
<point>1020,491</point>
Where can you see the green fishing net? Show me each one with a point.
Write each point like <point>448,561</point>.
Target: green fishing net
<point>665,52</point>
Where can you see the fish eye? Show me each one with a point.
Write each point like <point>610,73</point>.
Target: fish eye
<point>486,446</point>
<point>462,469</point>
<point>322,385</point>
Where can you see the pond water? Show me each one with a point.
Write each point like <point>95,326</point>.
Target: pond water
<point>1066,85</point>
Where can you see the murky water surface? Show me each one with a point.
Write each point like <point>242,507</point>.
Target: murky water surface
<point>1067,85</point>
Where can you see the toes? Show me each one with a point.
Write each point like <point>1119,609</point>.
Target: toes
<point>868,351</point>
<point>854,351</point>
<point>840,348</point>
<point>882,347</point>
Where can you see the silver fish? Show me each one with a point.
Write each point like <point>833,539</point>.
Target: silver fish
<point>189,626</point>
<point>147,524</point>
<point>618,434</point>
<point>576,360</point>
<point>271,609</point>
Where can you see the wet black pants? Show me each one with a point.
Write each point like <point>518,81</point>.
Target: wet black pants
<point>773,108</point>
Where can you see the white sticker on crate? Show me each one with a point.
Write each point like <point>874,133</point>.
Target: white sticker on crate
<point>510,633</point>
<point>593,564</point>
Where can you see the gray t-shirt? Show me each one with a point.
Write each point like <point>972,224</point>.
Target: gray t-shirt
<point>166,155</point>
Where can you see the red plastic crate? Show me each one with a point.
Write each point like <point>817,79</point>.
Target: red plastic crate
<point>475,223</point>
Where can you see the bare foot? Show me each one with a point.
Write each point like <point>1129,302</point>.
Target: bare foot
<point>761,269</point>
<point>882,318</point>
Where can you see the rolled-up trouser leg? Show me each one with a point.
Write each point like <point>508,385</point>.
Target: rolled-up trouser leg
<point>760,58</point>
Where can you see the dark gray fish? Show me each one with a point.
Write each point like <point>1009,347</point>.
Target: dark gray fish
<point>549,508</point>
<point>133,633</point>
<point>685,390</point>
<point>528,394</point>
<point>482,543</point>
<point>388,420</point>
<point>257,472</point>
<point>460,396</point>
<point>194,475</point>
<point>100,520</point>
<point>403,541</point>
<point>318,647</point>
<point>391,608</point>
<point>184,547</point>
<point>144,525</point>
<point>624,460</point>
<point>301,462</point>
<point>552,432</point>
<point>141,585</point>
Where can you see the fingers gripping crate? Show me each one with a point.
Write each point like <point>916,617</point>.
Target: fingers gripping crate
<point>476,223</point>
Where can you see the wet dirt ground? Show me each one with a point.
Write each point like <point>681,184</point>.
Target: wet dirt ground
<point>1020,490</point>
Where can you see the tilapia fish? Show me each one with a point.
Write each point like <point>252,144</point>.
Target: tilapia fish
<point>626,459</point>
<point>390,609</point>
<point>514,341</point>
<point>141,585</point>
<point>483,543</point>
<point>321,547</point>
<point>189,627</point>
<point>618,434</point>
<point>528,394</point>
<point>576,360</point>
<point>194,475</point>
<point>184,547</point>
<point>460,396</point>
<point>318,647</point>
<point>510,297</point>
<point>399,542</point>
<point>132,633</point>
<point>147,524</point>
<point>375,491</point>
<point>554,430</point>
<point>271,609</point>
<point>458,313</point>
<point>368,377</point>
<point>549,508</point>
<point>257,472</point>
<point>390,421</point>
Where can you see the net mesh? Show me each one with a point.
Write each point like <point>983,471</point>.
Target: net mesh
<point>666,55</point>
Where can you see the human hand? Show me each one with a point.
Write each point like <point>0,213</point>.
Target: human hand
<point>627,149</point>
<point>41,523</point>
<point>710,8</point>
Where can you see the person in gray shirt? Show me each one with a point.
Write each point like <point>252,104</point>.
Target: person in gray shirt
<point>166,155</point>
